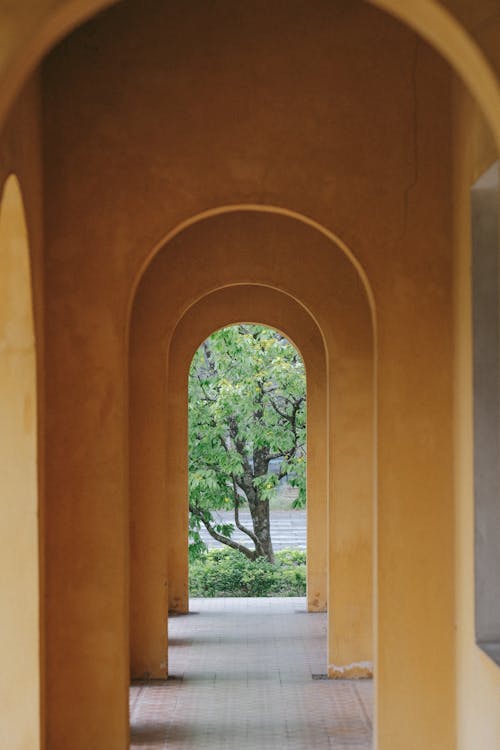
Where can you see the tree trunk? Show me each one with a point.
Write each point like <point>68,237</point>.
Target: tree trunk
<point>262,526</point>
<point>259,510</point>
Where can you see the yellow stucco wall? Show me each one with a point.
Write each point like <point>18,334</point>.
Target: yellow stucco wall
<point>124,165</point>
<point>19,556</point>
<point>464,33</point>
<point>478,678</point>
<point>22,471</point>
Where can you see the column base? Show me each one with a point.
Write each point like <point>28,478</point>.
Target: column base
<point>316,605</point>
<point>358,670</point>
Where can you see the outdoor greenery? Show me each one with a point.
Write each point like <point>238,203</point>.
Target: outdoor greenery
<point>226,572</point>
<point>247,432</point>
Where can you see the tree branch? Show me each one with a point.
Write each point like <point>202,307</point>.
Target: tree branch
<point>295,407</point>
<point>292,418</point>
<point>208,398</point>
<point>209,359</point>
<point>251,554</point>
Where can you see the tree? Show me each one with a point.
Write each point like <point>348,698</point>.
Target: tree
<point>247,408</point>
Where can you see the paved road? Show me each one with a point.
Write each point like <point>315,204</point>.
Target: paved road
<point>288,529</point>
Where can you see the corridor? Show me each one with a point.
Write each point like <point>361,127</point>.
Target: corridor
<point>247,674</point>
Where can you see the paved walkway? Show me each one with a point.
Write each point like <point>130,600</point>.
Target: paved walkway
<point>288,529</point>
<point>244,677</point>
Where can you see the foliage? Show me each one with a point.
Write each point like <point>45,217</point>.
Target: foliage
<point>247,414</point>
<point>225,572</point>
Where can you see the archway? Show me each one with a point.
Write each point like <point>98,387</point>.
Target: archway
<point>241,242</point>
<point>392,286</point>
<point>449,30</point>
<point>273,308</point>
<point>247,451</point>
<point>19,567</point>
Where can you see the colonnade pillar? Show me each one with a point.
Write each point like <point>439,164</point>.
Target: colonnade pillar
<point>415,619</point>
<point>86,518</point>
<point>149,518</point>
<point>19,501</point>
<point>176,497</point>
<point>350,522</point>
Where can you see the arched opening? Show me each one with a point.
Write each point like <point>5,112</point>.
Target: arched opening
<point>448,29</point>
<point>237,647</point>
<point>19,568</point>
<point>173,313</point>
<point>224,307</point>
<point>390,335</point>
<point>207,641</point>
<point>454,31</point>
<point>159,322</point>
<point>247,453</point>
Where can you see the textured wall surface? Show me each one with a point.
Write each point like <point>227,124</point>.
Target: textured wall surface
<point>219,109</point>
<point>156,113</point>
<point>19,570</point>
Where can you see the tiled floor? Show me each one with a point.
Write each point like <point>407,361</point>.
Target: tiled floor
<point>243,678</point>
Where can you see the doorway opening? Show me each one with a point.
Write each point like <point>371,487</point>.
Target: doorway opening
<point>247,465</point>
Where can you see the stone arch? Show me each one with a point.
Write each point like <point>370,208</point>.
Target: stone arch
<point>241,248</point>
<point>32,36</point>
<point>254,208</point>
<point>19,567</point>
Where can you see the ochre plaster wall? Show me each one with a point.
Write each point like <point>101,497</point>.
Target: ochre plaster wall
<point>285,122</point>
<point>478,678</point>
<point>19,563</point>
<point>351,517</point>
<point>240,243</point>
<point>21,457</point>
<point>269,307</point>
<point>88,190</point>
<point>21,154</point>
<point>465,33</point>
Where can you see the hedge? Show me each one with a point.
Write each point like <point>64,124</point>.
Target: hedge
<point>226,572</point>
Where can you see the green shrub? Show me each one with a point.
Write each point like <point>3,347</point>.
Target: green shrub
<point>226,572</point>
